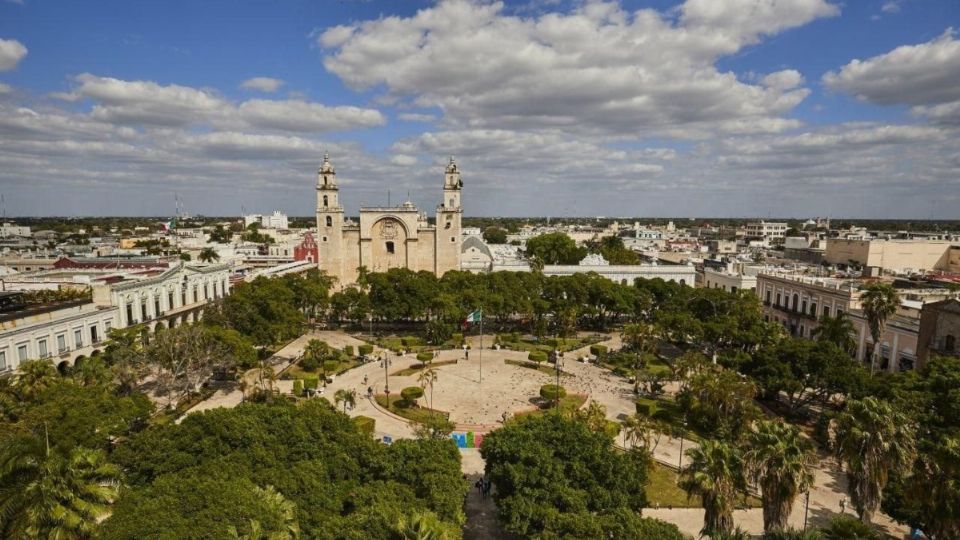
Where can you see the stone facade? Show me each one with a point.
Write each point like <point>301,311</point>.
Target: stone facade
<point>387,237</point>
<point>939,330</point>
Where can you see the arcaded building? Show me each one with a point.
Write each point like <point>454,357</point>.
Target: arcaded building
<point>387,237</point>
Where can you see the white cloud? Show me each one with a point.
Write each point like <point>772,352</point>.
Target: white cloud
<point>5,89</point>
<point>926,76</point>
<point>923,74</point>
<point>783,80</point>
<point>263,84</point>
<point>307,117</point>
<point>596,70</point>
<point>11,53</point>
<point>893,6</point>
<point>417,117</point>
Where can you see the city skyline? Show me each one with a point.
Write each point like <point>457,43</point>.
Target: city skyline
<point>656,108</point>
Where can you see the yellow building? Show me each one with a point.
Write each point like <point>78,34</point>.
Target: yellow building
<point>387,237</point>
<point>895,255</point>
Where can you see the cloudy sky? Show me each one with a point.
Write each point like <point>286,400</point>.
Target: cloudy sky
<point>552,107</point>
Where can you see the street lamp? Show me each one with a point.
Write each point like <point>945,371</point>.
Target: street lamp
<point>806,509</point>
<point>557,363</point>
<point>386,377</point>
<point>680,461</point>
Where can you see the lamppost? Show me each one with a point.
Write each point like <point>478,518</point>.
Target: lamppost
<point>680,461</point>
<point>386,377</point>
<point>558,363</point>
<point>806,509</point>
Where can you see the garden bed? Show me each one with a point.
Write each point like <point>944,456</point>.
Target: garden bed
<point>420,367</point>
<point>414,414</point>
<point>662,490</point>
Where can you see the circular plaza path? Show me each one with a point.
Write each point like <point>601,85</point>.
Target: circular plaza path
<point>477,392</point>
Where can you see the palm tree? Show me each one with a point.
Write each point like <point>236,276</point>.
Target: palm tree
<point>838,330</point>
<point>871,439</point>
<point>421,526</point>
<point>45,494</point>
<point>714,474</point>
<point>426,378</point>
<point>315,352</point>
<point>284,509</point>
<point>208,255</point>
<point>780,459</point>
<point>34,377</point>
<point>642,429</point>
<point>347,397</point>
<point>642,339</point>
<point>879,302</point>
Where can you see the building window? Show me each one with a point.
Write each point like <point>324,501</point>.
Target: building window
<point>813,309</point>
<point>106,326</point>
<point>329,221</point>
<point>803,307</point>
<point>156,307</point>
<point>196,298</point>
<point>447,226</point>
<point>3,360</point>
<point>453,238</point>
<point>826,311</point>
<point>796,301</point>
<point>78,338</point>
<point>950,343</point>
<point>768,297</point>
<point>733,289</point>
<point>170,300</point>
<point>324,238</point>
<point>94,335</point>
<point>129,313</point>
<point>778,300</point>
<point>42,348</point>
<point>390,248</point>
<point>22,352</point>
<point>325,202</point>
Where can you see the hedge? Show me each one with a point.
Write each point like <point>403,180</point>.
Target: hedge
<point>411,341</point>
<point>365,349</point>
<point>365,424</point>
<point>348,350</point>
<point>552,392</point>
<point>311,382</point>
<point>537,356</point>
<point>598,350</point>
<point>411,394</point>
<point>298,387</point>
<point>425,356</point>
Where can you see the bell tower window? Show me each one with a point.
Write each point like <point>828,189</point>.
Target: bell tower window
<point>329,221</point>
<point>390,248</point>
<point>325,201</point>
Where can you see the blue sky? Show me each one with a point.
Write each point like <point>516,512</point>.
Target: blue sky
<point>632,108</point>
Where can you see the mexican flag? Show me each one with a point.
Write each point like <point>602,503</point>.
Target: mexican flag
<point>474,317</point>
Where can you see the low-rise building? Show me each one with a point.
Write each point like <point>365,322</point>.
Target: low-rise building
<point>939,333</point>
<point>798,301</point>
<point>895,255</point>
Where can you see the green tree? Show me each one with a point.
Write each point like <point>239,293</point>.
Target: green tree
<point>411,394</point>
<point>641,339</point>
<point>34,377</point>
<point>872,438</point>
<point>715,475</point>
<point>427,378</point>
<point>838,330</point>
<point>289,528</point>
<point>44,494</point>
<point>314,354</point>
<point>555,248</point>
<point>495,235</point>
<point>780,459</point>
<point>848,528</point>
<point>879,302</point>
<point>347,397</point>
<point>208,255</point>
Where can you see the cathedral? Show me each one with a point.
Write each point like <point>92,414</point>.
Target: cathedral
<point>387,237</point>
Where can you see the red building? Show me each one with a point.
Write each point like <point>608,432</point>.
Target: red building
<point>306,250</point>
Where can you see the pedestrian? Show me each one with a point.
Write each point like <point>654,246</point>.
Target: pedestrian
<point>479,485</point>
<point>466,353</point>
<point>487,484</point>
<point>843,505</point>
<point>364,379</point>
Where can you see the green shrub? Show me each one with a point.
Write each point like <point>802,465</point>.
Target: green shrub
<point>646,408</point>
<point>552,392</point>
<point>551,342</point>
<point>598,350</point>
<point>311,382</point>
<point>348,350</point>
<point>425,356</point>
<point>457,338</point>
<point>537,356</point>
<point>365,349</point>
<point>411,341</point>
<point>411,394</point>
<point>309,363</point>
<point>365,424</point>
<point>298,387</point>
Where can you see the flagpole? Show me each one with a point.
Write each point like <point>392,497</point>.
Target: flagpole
<point>481,346</point>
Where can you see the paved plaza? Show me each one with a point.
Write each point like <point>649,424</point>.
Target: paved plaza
<point>473,404</point>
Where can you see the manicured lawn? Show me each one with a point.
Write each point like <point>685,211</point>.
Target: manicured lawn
<point>296,371</point>
<point>420,367</point>
<point>569,402</point>
<point>562,344</point>
<point>662,488</point>
<point>414,414</point>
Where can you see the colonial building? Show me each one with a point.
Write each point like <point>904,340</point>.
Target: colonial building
<point>387,237</point>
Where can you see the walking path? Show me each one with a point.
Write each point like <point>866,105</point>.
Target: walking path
<point>508,388</point>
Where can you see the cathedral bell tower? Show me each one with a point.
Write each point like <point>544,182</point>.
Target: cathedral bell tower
<point>329,220</point>
<point>449,215</point>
